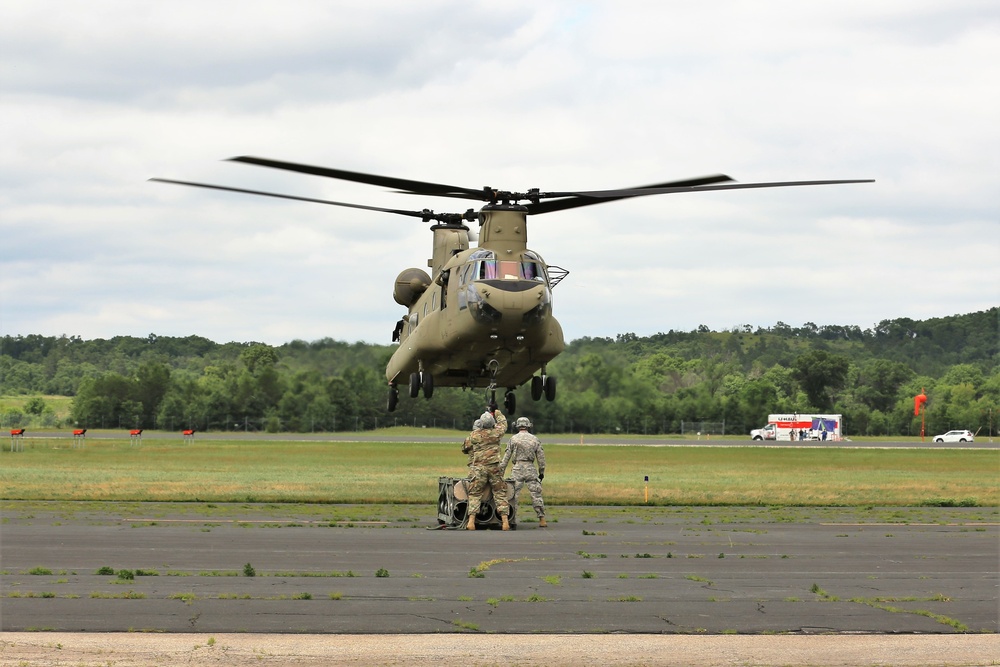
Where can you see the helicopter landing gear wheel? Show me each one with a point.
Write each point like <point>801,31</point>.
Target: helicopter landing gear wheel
<point>393,398</point>
<point>509,402</point>
<point>421,380</point>
<point>550,388</point>
<point>537,387</point>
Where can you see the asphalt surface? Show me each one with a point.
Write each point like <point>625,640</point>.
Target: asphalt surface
<point>601,586</point>
<point>387,570</point>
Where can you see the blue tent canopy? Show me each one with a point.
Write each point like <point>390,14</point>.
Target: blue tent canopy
<point>824,424</point>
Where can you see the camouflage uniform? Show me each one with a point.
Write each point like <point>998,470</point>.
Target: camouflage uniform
<point>525,450</point>
<point>485,467</point>
<point>467,445</point>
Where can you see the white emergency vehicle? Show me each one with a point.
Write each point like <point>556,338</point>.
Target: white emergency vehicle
<point>800,427</point>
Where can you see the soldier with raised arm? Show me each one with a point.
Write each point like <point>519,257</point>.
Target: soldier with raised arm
<point>485,467</point>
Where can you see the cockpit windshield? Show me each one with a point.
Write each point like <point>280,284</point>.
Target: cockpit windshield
<point>485,266</point>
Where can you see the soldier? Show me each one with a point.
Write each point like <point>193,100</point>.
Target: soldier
<point>485,467</point>
<point>526,450</point>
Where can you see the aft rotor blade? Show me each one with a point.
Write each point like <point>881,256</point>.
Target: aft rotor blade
<point>412,214</point>
<point>604,195</point>
<point>419,187</point>
<point>575,202</point>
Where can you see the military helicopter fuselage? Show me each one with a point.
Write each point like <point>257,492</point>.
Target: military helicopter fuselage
<point>484,316</point>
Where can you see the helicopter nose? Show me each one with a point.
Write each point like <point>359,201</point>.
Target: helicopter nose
<point>513,300</point>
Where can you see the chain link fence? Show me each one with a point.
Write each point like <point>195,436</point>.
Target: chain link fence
<point>703,428</point>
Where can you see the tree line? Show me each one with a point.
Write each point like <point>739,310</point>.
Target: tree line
<point>633,384</point>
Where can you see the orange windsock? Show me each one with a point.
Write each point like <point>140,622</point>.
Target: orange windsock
<point>918,402</point>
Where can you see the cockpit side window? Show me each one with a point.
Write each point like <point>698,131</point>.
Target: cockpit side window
<point>533,271</point>
<point>488,269</point>
<point>533,267</point>
<point>485,264</point>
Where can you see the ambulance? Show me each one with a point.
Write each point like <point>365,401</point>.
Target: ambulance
<point>794,427</point>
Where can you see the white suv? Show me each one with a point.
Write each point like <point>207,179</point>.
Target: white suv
<point>955,436</point>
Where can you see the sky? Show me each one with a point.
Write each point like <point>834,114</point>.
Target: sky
<point>98,97</point>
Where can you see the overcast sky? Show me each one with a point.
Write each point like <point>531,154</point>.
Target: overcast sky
<point>97,97</point>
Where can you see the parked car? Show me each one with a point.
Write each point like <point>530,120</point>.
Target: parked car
<point>955,436</point>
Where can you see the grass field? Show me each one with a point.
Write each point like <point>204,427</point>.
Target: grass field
<point>378,472</point>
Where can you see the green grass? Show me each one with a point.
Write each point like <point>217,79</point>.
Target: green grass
<point>374,472</point>
<point>60,405</point>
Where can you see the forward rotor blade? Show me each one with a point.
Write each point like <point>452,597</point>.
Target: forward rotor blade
<point>419,187</point>
<point>575,202</point>
<point>412,214</point>
<point>604,195</point>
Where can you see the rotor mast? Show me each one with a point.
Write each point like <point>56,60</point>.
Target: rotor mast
<point>504,229</point>
<point>449,240</point>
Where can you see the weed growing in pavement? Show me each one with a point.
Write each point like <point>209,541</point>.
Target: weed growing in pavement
<point>479,571</point>
<point>881,603</point>
<point>127,595</point>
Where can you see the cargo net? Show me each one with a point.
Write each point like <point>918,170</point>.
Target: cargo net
<point>703,428</point>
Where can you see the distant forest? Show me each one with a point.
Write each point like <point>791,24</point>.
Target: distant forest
<point>652,384</point>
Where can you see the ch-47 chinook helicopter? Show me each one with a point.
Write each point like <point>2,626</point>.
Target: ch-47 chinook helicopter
<point>484,314</point>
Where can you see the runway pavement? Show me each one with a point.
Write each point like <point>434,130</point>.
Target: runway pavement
<point>596,571</point>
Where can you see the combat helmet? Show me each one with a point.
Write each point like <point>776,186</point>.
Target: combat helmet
<point>522,422</point>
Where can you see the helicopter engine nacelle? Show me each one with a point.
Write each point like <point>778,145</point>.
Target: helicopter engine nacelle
<point>410,284</point>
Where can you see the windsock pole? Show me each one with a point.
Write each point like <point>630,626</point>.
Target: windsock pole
<point>920,407</point>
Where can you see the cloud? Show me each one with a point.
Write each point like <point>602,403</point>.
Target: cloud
<point>560,96</point>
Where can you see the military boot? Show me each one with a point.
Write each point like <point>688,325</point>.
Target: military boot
<point>471,525</point>
<point>541,522</point>
<point>506,523</point>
